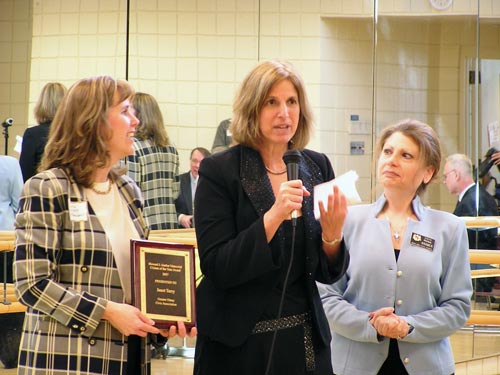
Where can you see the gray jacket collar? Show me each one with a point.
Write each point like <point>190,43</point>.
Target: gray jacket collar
<point>418,207</point>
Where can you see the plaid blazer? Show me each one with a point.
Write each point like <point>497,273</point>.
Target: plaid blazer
<point>65,273</point>
<point>155,169</point>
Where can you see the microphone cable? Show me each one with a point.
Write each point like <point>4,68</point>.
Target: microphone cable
<point>282,299</point>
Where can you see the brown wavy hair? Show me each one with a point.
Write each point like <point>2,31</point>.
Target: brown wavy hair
<point>80,130</point>
<point>151,125</point>
<point>250,99</point>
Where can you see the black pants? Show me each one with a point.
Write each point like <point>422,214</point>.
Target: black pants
<point>134,355</point>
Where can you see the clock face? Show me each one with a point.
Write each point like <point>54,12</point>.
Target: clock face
<point>441,4</point>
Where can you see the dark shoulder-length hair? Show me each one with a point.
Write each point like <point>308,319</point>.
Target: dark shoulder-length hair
<point>250,99</point>
<point>151,123</point>
<point>426,139</point>
<point>80,130</point>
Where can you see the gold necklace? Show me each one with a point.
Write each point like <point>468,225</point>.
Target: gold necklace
<point>274,172</point>
<point>396,233</point>
<point>100,192</point>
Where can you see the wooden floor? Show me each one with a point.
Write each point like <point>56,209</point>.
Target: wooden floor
<point>170,366</point>
<point>465,343</point>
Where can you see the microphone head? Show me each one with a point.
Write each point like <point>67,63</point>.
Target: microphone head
<point>291,156</point>
<point>8,122</point>
<point>292,160</point>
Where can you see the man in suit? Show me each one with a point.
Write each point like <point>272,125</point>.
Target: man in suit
<point>184,202</point>
<point>458,179</point>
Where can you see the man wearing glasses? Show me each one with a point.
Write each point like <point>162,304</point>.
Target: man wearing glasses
<point>459,180</point>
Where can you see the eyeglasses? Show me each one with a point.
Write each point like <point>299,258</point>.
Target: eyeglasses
<point>446,174</point>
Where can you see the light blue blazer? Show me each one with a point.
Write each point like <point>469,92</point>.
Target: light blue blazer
<point>429,286</point>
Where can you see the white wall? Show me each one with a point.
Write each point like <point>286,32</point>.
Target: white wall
<point>192,54</point>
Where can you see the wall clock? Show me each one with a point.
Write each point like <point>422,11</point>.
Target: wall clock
<point>440,4</point>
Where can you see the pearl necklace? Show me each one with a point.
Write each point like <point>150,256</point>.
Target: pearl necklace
<point>100,192</point>
<point>274,172</point>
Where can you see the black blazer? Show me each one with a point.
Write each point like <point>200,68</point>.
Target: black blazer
<point>486,239</point>
<point>184,202</point>
<point>240,268</point>
<point>34,141</point>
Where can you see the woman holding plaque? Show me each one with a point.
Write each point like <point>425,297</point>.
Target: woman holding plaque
<point>261,249</point>
<point>73,231</point>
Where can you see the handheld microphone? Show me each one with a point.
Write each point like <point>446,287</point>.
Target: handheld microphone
<point>292,160</point>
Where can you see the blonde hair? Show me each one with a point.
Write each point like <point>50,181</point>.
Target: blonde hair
<point>79,133</point>
<point>48,102</point>
<point>151,120</point>
<point>250,99</point>
<point>426,139</point>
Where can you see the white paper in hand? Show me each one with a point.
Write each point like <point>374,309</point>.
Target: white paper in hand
<point>19,144</point>
<point>346,184</point>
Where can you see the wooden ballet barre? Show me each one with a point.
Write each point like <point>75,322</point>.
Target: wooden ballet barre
<point>7,293</point>
<point>184,236</point>
<point>484,256</point>
<point>180,231</point>
<point>489,272</point>
<point>481,221</point>
<point>7,240</point>
<point>14,307</point>
<point>484,317</point>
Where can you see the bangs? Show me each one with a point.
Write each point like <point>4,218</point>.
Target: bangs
<point>124,91</point>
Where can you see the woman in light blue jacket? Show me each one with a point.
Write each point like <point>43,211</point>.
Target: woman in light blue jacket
<point>408,286</point>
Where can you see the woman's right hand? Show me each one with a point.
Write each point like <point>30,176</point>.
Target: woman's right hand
<point>129,320</point>
<point>288,199</point>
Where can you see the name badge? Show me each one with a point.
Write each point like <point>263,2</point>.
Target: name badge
<point>78,211</point>
<point>418,240</point>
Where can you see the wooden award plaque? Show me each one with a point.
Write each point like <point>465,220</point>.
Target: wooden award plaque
<point>164,281</point>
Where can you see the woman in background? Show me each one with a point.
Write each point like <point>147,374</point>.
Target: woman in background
<point>154,165</point>
<point>11,185</point>
<point>73,230</point>
<point>406,292</point>
<point>35,137</point>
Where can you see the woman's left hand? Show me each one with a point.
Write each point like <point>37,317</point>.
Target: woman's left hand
<point>180,330</point>
<point>333,217</point>
<point>389,324</point>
